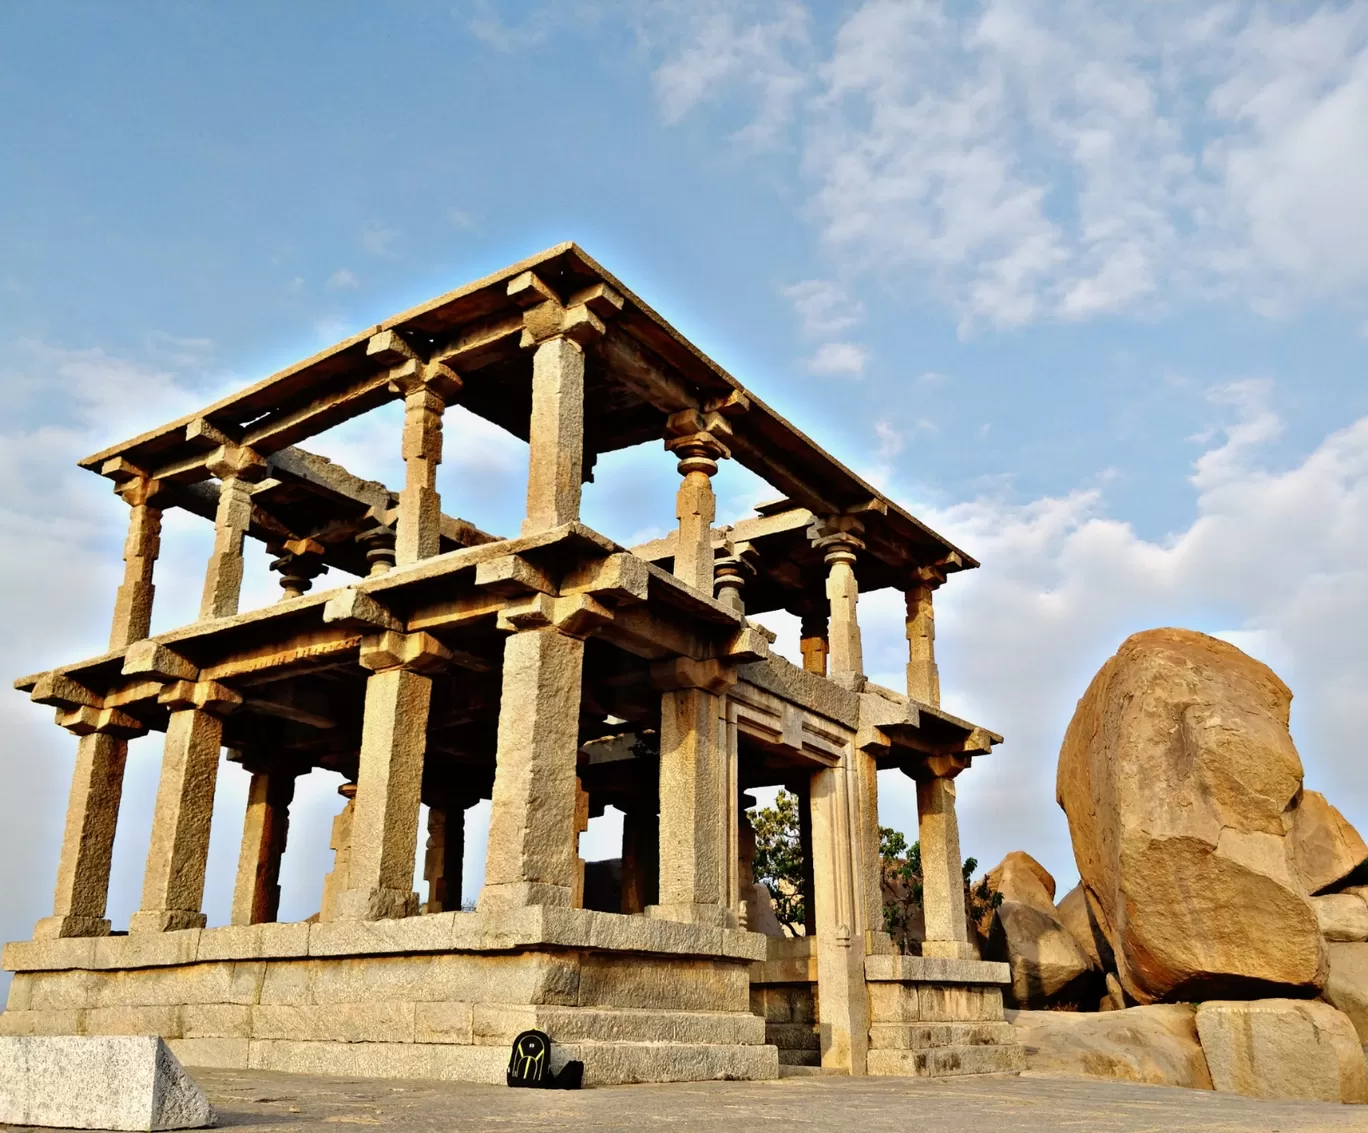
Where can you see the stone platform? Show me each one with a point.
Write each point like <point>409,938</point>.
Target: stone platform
<point>438,996</point>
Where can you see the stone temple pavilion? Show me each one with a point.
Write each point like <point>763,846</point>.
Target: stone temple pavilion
<point>552,672</point>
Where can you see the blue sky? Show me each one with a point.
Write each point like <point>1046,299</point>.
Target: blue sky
<point>1084,285</point>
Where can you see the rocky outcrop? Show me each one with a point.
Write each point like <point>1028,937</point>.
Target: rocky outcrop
<point>1177,774</point>
<point>1156,1044</point>
<point>1046,962</point>
<point>1341,916</point>
<point>1347,986</point>
<point>1326,851</point>
<point>1075,916</point>
<point>1283,1048</point>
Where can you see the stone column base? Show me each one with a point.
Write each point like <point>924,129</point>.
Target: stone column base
<point>376,904</point>
<point>56,928</point>
<point>949,949</point>
<point>714,916</point>
<point>164,920</point>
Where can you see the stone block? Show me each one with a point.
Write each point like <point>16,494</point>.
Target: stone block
<point>893,1002</point>
<point>147,950</point>
<point>430,933</point>
<point>924,1036</point>
<point>163,1020</point>
<point>1282,1048</point>
<point>936,969</point>
<point>744,945</point>
<point>612,1064</point>
<point>290,981</point>
<point>78,1082</point>
<point>951,1003</point>
<point>633,1025</point>
<point>20,988</point>
<point>939,1062</point>
<point>374,1022</point>
<point>493,1024</point>
<point>449,1061</point>
<point>255,942</point>
<point>41,1022</point>
<point>213,1053</point>
<point>216,1021</point>
<point>443,1023</point>
<point>57,991</point>
<point>49,955</point>
<point>672,985</point>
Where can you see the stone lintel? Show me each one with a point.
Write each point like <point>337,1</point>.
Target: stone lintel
<point>419,652</point>
<point>935,969</point>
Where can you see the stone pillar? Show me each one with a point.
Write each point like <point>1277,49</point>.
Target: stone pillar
<point>133,602</point>
<point>299,562</point>
<point>640,856</point>
<point>947,933</point>
<point>803,793</point>
<point>78,908</point>
<point>694,795</point>
<point>533,844</point>
<point>732,572</point>
<point>843,1005</point>
<point>689,434</point>
<point>555,471</point>
<point>378,542</point>
<point>389,779</point>
<point>237,469</point>
<point>335,884</point>
<point>813,641</point>
<point>923,677</point>
<point>558,333</point>
<point>419,528</point>
<point>444,860</point>
<point>839,537</point>
<point>173,885</point>
<point>256,895</point>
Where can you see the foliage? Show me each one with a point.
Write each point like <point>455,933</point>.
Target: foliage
<point>901,868</point>
<point>779,859</point>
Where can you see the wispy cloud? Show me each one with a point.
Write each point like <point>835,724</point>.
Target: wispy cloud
<point>343,279</point>
<point>839,359</point>
<point>1028,160</point>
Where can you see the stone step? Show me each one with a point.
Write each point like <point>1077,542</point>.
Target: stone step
<point>612,1064</point>
<point>925,1036</point>
<point>790,1057</point>
<point>810,1071</point>
<point>946,1061</point>
<point>641,1025</point>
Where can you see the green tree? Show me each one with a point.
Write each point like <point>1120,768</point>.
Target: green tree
<point>779,859</point>
<point>901,868</point>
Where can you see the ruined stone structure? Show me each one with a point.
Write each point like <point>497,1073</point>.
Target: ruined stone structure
<point>553,672</point>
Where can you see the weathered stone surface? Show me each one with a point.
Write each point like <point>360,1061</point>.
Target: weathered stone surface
<point>1347,986</point>
<point>1157,1044</point>
<point>1326,850</point>
<point>1176,773</point>
<point>1342,916</point>
<point>1075,916</point>
<point>1282,1048</point>
<point>97,1083</point>
<point>1025,931</point>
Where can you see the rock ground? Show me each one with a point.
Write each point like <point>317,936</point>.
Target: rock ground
<point>280,1103</point>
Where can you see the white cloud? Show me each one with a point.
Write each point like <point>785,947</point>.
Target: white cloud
<point>1276,561</point>
<point>824,308</point>
<point>743,43</point>
<point>839,359</point>
<point>1028,161</point>
<point>379,241</point>
<point>343,279</point>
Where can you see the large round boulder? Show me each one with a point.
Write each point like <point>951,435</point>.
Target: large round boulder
<point>1179,779</point>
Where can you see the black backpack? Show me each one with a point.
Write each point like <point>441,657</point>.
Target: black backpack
<point>529,1066</point>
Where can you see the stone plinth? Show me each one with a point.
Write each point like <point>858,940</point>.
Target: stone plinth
<point>932,1016</point>
<point>435,996</point>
